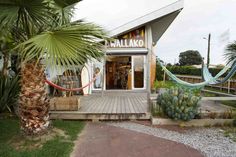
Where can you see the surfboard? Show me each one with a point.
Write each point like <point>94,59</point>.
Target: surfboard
<point>85,80</point>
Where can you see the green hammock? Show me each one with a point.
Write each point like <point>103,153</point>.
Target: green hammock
<point>208,78</point>
<point>207,75</point>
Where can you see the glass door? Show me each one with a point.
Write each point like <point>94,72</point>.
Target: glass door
<point>98,73</point>
<point>138,72</point>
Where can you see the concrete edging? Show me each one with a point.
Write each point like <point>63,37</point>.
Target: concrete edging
<point>194,122</point>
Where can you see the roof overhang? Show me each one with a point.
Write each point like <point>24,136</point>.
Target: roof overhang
<point>153,17</point>
<point>126,51</point>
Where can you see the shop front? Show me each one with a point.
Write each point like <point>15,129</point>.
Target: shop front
<point>124,67</point>
<point>130,58</point>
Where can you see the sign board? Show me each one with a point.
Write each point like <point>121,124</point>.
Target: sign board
<point>133,39</point>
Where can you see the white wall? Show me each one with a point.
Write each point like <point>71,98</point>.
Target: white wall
<point>52,73</point>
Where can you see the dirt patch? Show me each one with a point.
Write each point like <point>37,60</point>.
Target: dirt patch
<point>21,142</point>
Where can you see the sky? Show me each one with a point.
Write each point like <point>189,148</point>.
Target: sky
<point>187,32</point>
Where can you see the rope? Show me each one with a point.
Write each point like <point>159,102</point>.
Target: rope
<point>71,89</point>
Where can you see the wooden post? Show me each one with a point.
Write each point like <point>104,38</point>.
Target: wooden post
<point>164,77</point>
<point>221,86</point>
<point>229,86</point>
<point>103,73</point>
<point>208,50</point>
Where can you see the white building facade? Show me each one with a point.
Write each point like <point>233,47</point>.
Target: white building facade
<point>130,60</point>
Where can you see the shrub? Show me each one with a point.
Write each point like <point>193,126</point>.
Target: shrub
<point>157,111</point>
<point>159,72</point>
<point>9,91</point>
<point>164,84</point>
<point>179,104</point>
<point>234,122</point>
<point>190,70</point>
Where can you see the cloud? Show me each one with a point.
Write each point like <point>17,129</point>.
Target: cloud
<point>112,13</point>
<point>197,20</point>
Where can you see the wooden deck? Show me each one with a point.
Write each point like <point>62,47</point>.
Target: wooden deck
<point>112,105</point>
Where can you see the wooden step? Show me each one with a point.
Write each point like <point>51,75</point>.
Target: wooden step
<point>98,116</point>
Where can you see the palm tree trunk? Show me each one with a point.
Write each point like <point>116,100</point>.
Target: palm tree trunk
<point>34,102</point>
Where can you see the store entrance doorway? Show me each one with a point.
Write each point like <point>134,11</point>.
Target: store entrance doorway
<point>118,72</point>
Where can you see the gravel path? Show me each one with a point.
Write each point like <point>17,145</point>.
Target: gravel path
<point>210,141</point>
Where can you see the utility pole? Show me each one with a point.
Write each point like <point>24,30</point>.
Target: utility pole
<point>208,50</point>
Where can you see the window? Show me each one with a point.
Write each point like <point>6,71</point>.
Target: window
<point>138,68</point>
<point>98,73</point>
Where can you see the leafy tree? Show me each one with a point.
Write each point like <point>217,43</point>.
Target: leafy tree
<point>230,53</point>
<point>190,57</point>
<point>42,30</point>
<point>159,71</point>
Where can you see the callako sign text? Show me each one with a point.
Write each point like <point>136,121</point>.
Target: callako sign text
<point>132,39</point>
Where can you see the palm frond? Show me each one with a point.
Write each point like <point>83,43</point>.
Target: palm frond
<point>66,46</point>
<point>63,11</point>
<point>30,15</point>
<point>65,3</point>
<point>230,53</point>
<point>8,14</point>
<point>18,34</point>
<point>9,92</point>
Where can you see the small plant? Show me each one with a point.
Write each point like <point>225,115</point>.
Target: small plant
<point>228,114</point>
<point>157,111</point>
<point>159,84</point>
<point>163,84</point>
<point>155,85</point>
<point>234,122</point>
<point>231,133</point>
<point>9,91</point>
<point>212,115</point>
<point>179,104</point>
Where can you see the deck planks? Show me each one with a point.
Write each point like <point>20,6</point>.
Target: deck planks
<point>115,103</point>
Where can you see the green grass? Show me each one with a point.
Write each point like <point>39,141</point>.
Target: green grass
<point>219,90</point>
<point>164,84</point>
<point>206,94</point>
<point>169,84</point>
<point>59,146</point>
<point>231,103</point>
<point>231,133</point>
<point>157,112</point>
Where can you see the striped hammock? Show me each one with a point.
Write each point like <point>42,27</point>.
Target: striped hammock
<point>207,76</point>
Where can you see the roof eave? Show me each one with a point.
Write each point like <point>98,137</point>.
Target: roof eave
<point>148,18</point>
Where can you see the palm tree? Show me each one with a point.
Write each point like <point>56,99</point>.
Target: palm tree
<point>230,54</point>
<point>41,29</point>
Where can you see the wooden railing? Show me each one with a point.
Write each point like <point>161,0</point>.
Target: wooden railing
<point>230,85</point>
